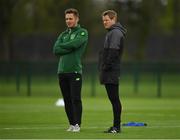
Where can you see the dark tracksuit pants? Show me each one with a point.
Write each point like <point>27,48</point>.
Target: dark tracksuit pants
<point>113,95</point>
<point>70,85</point>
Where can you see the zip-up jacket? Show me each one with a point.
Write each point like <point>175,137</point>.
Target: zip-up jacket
<point>111,53</point>
<point>69,47</point>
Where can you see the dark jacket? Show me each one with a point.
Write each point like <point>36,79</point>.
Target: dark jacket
<point>110,55</point>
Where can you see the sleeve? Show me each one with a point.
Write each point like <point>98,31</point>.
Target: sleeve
<point>60,51</point>
<point>115,39</point>
<point>112,50</point>
<point>75,43</point>
<point>57,50</point>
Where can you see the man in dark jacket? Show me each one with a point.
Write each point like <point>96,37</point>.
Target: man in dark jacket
<point>109,64</point>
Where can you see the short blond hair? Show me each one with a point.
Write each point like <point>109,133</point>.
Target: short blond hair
<point>72,11</point>
<point>111,13</point>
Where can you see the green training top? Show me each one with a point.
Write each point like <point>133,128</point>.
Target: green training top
<point>69,47</point>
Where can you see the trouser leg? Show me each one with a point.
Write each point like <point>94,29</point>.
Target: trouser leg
<point>66,93</point>
<point>76,84</point>
<point>113,95</point>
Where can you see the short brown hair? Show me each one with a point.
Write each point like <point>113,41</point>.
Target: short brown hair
<point>111,13</point>
<point>72,11</point>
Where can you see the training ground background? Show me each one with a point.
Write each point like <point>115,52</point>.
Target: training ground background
<point>39,118</point>
<point>28,110</point>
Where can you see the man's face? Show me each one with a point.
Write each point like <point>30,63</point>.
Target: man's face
<point>108,22</point>
<point>71,20</point>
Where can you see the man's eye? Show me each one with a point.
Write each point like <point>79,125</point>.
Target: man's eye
<point>68,18</point>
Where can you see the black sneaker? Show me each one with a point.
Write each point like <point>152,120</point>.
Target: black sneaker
<point>112,130</point>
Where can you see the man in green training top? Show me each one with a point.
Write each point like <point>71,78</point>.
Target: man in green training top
<point>70,47</point>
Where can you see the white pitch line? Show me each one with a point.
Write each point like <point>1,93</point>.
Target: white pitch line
<point>150,114</point>
<point>28,128</point>
<point>93,127</point>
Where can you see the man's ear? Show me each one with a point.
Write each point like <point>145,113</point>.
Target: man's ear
<point>77,19</point>
<point>114,20</point>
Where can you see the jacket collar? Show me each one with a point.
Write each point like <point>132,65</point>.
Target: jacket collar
<point>70,30</point>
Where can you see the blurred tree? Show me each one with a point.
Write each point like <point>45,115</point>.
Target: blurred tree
<point>38,16</point>
<point>6,34</point>
<point>23,17</point>
<point>142,18</point>
<point>169,21</point>
<point>176,17</point>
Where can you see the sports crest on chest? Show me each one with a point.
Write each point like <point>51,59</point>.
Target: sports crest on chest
<point>65,37</point>
<point>72,36</point>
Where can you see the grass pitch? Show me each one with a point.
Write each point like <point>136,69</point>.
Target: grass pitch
<point>39,118</point>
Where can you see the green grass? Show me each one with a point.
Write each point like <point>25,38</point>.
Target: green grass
<point>39,118</point>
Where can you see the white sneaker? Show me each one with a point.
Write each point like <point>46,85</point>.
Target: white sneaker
<point>76,128</point>
<point>71,128</point>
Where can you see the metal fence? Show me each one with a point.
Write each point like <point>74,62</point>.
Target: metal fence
<point>136,70</point>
